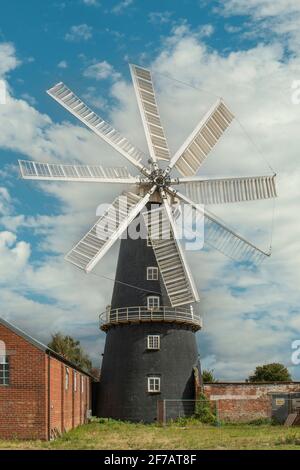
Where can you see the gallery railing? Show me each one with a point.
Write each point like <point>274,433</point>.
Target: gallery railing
<point>143,314</point>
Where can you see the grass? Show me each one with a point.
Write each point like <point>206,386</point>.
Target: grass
<point>187,434</point>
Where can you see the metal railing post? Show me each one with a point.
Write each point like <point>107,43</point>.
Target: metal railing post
<point>217,414</point>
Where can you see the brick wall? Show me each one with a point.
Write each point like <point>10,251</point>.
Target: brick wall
<point>56,415</point>
<point>22,403</point>
<point>245,401</point>
<point>68,407</point>
<point>37,392</point>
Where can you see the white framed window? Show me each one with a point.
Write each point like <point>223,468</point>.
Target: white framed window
<point>153,301</point>
<point>75,381</point>
<point>4,365</point>
<point>153,384</point>
<point>67,378</point>
<point>152,273</point>
<point>82,384</point>
<point>153,342</point>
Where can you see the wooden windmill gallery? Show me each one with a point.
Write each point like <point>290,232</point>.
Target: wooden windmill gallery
<point>151,351</point>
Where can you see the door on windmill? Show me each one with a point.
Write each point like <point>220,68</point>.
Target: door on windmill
<point>153,342</point>
<point>153,384</point>
<point>153,302</point>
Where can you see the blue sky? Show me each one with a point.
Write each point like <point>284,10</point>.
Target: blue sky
<point>246,52</point>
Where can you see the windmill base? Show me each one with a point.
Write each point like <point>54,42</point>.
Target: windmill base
<point>127,363</point>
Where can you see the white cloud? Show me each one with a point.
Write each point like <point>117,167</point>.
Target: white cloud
<point>30,99</point>
<point>14,256</point>
<point>262,8</point>
<point>281,17</point>
<point>63,64</point>
<point>232,29</point>
<point>119,8</point>
<point>160,17</point>
<point>81,32</point>
<point>92,97</point>
<point>5,202</point>
<point>206,30</point>
<point>8,59</point>
<point>101,71</point>
<point>93,3</point>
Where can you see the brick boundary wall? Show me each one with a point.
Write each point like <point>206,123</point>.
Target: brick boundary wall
<point>242,401</point>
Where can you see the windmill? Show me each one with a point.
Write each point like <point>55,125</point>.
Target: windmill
<point>150,349</point>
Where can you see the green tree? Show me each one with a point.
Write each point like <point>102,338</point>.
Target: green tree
<point>70,349</point>
<point>208,376</point>
<point>274,372</point>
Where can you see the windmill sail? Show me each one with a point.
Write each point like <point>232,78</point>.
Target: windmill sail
<point>145,94</point>
<point>225,239</point>
<point>226,190</point>
<point>199,144</point>
<point>106,231</point>
<point>82,173</point>
<point>64,96</point>
<point>170,256</point>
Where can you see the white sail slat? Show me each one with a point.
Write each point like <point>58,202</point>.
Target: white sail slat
<point>190,156</point>
<point>82,173</point>
<point>145,94</point>
<point>170,257</point>
<point>64,96</point>
<point>229,190</point>
<point>106,231</point>
<point>225,239</point>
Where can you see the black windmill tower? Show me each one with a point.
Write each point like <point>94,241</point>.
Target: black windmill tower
<point>151,350</point>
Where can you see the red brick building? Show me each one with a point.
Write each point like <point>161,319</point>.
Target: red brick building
<point>41,393</point>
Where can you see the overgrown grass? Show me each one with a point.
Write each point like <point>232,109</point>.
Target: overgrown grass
<point>183,434</point>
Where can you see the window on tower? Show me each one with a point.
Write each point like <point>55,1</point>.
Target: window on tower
<point>152,273</point>
<point>153,302</point>
<point>154,384</point>
<point>153,342</point>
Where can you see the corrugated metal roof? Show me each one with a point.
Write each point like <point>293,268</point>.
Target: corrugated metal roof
<point>41,346</point>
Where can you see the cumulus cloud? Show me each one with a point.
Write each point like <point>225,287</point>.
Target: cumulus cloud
<point>120,7</point>
<point>5,202</point>
<point>93,3</point>
<point>101,71</point>
<point>281,17</point>
<point>63,64</point>
<point>77,33</point>
<point>8,59</point>
<point>13,256</point>
<point>160,17</point>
